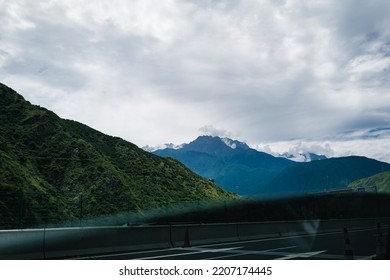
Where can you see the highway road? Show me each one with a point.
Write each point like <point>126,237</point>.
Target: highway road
<point>321,246</point>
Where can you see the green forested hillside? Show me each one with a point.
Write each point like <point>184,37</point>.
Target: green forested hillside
<point>379,182</point>
<point>60,166</point>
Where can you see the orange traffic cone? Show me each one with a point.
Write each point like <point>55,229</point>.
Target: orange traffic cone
<point>348,252</point>
<point>186,239</point>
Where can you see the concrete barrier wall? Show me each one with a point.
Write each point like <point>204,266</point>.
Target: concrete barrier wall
<point>331,225</point>
<point>22,244</point>
<point>248,231</point>
<point>203,234</point>
<point>89,241</point>
<point>72,242</point>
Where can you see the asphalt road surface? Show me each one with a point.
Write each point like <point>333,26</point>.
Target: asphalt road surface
<point>321,246</point>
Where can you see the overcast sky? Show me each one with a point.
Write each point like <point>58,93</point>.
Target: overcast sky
<point>279,75</point>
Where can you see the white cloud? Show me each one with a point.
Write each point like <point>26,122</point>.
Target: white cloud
<point>370,143</point>
<point>212,131</point>
<point>154,72</point>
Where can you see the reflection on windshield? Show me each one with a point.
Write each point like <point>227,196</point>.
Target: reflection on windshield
<point>321,206</point>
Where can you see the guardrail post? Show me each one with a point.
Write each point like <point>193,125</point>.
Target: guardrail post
<point>186,242</point>
<point>387,253</point>
<point>348,252</point>
<point>380,246</point>
<point>81,209</point>
<point>21,211</point>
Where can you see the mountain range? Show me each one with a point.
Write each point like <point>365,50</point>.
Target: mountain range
<point>53,169</point>
<point>238,168</point>
<point>323,175</point>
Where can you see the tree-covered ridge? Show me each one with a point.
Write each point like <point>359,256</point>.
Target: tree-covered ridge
<point>46,160</point>
<point>378,183</point>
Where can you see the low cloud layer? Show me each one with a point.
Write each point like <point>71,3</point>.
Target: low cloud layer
<point>155,72</point>
<point>373,143</point>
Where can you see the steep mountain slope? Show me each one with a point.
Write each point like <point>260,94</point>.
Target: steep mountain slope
<point>232,164</point>
<point>322,175</point>
<point>379,182</point>
<point>51,168</point>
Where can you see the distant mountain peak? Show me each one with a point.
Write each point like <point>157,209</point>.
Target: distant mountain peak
<point>234,144</point>
<point>215,145</point>
<point>201,143</point>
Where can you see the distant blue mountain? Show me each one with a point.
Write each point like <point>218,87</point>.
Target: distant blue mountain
<point>323,175</point>
<point>230,163</point>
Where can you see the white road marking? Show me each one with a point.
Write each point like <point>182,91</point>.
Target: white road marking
<point>250,252</point>
<point>194,251</point>
<point>172,255</point>
<point>227,256</point>
<point>125,254</point>
<point>276,249</point>
<point>301,255</point>
<point>218,250</point>
<point>366,258</point>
